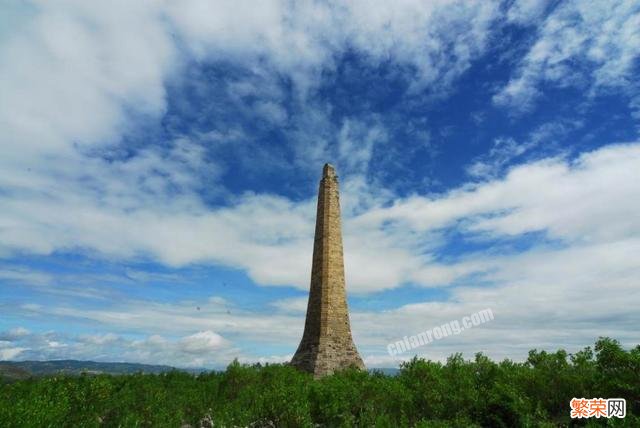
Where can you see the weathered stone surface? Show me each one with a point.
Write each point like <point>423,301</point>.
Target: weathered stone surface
<point>327,344</point>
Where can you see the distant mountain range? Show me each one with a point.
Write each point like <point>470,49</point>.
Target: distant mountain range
<point>13,370</point>
<point>16,370</point>
<point>386,371</point>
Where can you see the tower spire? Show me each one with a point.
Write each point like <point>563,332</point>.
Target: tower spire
<point>326,344</point>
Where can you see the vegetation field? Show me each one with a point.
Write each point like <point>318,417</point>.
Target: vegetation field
<point>458,393</point>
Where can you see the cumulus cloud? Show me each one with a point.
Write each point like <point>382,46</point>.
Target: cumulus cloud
<point>201,342</point>
<point>205,348</point>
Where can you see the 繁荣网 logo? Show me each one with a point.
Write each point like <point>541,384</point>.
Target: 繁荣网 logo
<point>598,408</point>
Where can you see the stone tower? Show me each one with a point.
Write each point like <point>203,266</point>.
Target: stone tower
<point>326,344</point>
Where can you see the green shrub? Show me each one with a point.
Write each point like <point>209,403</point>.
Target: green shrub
<point>459,393</point>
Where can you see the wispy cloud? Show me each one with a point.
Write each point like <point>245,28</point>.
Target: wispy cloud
<point>591,46</point>
<point>506,151</point>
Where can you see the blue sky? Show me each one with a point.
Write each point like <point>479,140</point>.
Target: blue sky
<point>160,165</point>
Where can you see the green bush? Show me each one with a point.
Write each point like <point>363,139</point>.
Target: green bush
<point>459,393</point>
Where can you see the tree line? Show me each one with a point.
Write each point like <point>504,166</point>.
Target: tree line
<point>458,393</point>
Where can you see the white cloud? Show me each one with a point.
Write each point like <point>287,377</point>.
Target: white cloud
<point>588,200</point>
<point>527,12</point>
<point>9,353</point>
<point>13,334</point>
<point>504,151</point>
<point>543,300</point>
<point>272,359</point>
<point>602,36</point>
<point>70,70</point>
<point>181,319</point>
<point>16,274</point>
<point>507,151</point>
<point>356,141</point>
<point>202,342</point>
<point>438,38</point>
<point>292,304</point>
<point>205,348</point>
